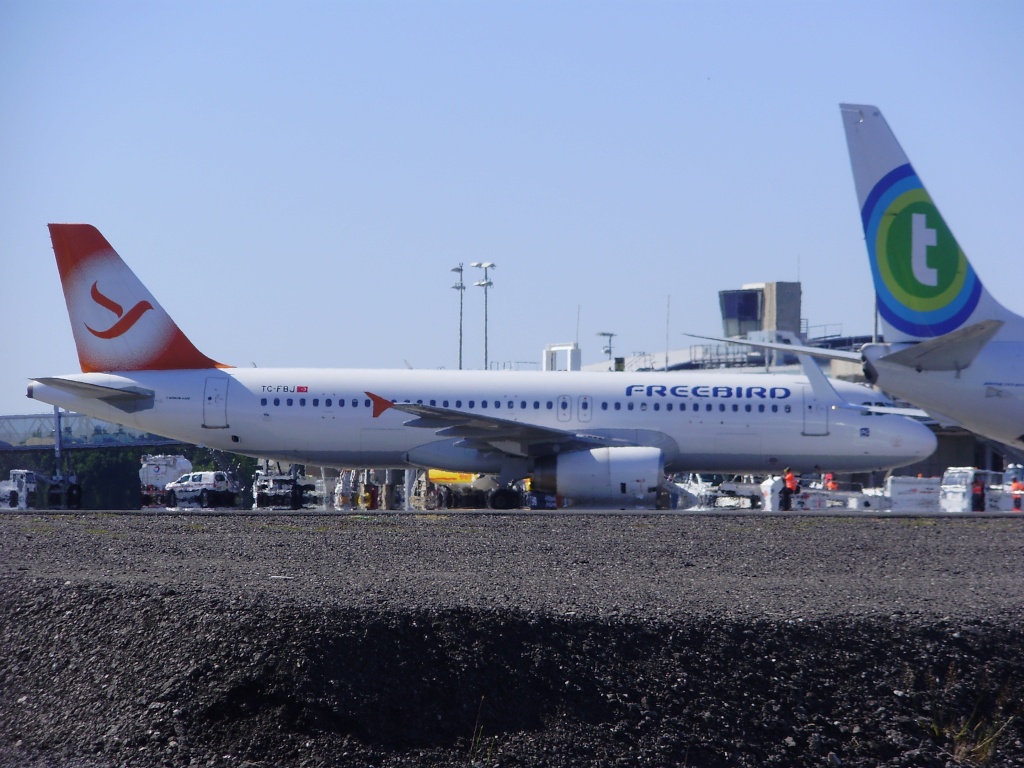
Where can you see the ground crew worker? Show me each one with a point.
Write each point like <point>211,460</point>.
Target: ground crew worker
<point>978,495</point>
<point>1017,489</point>
<point>830,482</point>
<point>789,487</point>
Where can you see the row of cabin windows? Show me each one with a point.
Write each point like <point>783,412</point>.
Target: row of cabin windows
<point>548,405</point>
<point>747,407</point>
<point>315,402</point>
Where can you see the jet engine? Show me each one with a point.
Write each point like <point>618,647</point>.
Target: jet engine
<point>620,477</point>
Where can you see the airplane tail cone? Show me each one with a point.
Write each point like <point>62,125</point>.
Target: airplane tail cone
<point>117,324</point>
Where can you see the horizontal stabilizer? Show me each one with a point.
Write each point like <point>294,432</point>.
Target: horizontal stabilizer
<point>128,400</point>
<point>950,352</point>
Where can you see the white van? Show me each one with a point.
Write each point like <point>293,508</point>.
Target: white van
<point>210,489</point>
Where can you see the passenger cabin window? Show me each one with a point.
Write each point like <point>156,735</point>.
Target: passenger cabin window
<point>263,401</point>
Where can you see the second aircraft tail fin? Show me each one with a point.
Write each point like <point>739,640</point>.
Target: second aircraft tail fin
<point>117,324</point>
<point>923,282</point>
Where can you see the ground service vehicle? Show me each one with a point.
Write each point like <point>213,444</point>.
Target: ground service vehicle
<point>208,489</point>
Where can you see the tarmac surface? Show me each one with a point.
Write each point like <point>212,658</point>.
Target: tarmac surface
<point>443,639</point>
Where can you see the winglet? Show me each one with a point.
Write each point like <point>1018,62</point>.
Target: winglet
<point>380,404</point>
<point>117,324</point>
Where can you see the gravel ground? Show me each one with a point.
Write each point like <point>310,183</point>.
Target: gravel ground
<point>510,640</point>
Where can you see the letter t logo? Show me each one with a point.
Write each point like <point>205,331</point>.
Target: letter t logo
<point>920,238</point>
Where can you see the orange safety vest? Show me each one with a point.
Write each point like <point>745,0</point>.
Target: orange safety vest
<point>791,481</point>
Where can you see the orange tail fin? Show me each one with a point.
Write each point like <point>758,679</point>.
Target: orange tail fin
<point>118,325</point>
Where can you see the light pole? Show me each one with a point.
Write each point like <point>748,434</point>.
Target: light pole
<point>607,348</point>
<point>485,284</point>
<point>460,287</point>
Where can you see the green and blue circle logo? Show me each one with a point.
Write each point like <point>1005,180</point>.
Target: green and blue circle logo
<point>925,285</point>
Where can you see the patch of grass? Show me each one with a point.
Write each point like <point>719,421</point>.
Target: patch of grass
<point>972,740</point>
<point>917,522</point>
<point>283,527</point>
<point>480,748</point>
<point>38,526</point>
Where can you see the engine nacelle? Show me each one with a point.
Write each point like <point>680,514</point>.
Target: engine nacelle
<point>628,476</point>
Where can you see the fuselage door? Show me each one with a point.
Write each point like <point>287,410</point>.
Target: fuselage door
<point>215,403</point>
<point>564,406</point>
<point>815,414</point>
<point>584,407</point>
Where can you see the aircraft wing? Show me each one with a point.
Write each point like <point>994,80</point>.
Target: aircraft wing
<point>823,389</point>
<point>796,349</point>
<point>490,432</point>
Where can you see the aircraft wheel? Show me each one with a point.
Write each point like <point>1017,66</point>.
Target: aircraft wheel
<point>503,498</point>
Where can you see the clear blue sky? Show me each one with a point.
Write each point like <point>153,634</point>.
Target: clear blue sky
<point>294,181</point>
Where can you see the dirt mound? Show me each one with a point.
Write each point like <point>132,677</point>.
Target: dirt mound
<point>110,668</point>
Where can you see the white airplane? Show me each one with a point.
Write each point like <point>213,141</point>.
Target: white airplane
<point>951,348</point>
<point>606,438</point>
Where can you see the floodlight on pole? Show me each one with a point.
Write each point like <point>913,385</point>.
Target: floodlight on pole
<point>485,284</point>
<point>607,348</point>
<point>460,287</point>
